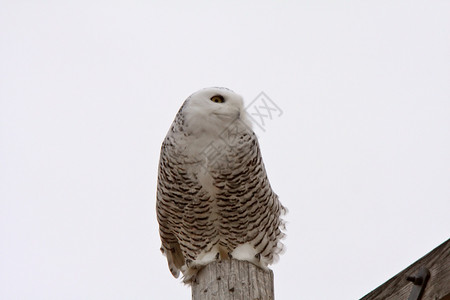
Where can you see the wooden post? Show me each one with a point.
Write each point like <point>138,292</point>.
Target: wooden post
<point>233,279</point>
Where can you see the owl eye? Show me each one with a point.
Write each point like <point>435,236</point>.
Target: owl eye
<point>217,99</point>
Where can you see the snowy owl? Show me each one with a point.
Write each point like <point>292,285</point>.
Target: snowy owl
<point>214,200</point>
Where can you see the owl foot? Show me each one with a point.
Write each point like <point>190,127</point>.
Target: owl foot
<point>190,275</point>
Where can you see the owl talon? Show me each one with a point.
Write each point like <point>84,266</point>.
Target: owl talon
<point>258,256</point>
<point>188,262</point>
<point>229,255</point>
<point>217,256</point>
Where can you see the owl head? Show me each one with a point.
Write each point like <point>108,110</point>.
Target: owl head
<point>212,110</point>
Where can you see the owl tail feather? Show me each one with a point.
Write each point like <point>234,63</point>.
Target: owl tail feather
<point>175,259</point>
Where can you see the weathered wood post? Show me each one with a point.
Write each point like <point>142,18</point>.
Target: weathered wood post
<point>233,279</point>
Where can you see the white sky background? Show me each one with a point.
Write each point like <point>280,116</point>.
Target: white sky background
<point>88,91</point>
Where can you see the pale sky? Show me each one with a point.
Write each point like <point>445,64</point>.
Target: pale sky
<point>360,154</point>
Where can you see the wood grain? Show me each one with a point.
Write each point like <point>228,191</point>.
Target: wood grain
<point>233,280</point>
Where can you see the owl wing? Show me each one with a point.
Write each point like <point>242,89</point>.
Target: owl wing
<point>250,208</point>
<point>169,208</point>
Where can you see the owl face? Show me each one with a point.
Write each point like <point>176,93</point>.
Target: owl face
<point>213,109</point>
